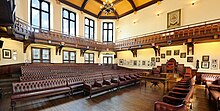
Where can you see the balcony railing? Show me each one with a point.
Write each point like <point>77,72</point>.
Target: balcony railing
<point>196,30</point>
<point>53,37</point>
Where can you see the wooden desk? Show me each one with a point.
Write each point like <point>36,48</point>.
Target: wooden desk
<point>160,79</point>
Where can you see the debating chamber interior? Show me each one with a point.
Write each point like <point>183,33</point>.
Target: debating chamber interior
<point>109,55</point>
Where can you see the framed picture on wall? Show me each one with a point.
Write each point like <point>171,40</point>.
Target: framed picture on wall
<point>189,59</point>
<point>152,59</point>
<point>183,55</point>
<point>174,19</point>
<point>162,56</point>
<point>143,63</point>
<point>121,61</point>
<point>176,52</point>
<point>135,63</point>
<point>6,53</point>
<point>214,64</point>
<point>205,65</point>
<point>205,58</point>
<point>168,53</point>
<point>148,63</point>
<point>157,59</point>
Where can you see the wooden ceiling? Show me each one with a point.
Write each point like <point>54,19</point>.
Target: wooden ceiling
<point>123,7</point>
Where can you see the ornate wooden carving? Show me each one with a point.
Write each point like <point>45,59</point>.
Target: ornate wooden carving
<point>171,66</point>
<point>82,52</point>
<point>59,48</point>
<point>25,45</point>
<point>134,52</point>
<point>156,50</point>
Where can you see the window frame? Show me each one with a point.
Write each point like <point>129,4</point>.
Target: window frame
<point>89,61</point>
<point>69,20</point>
<point>40,14</point>
<point>69,61</point>
<point>93,27</point>
<point>103,29</point>
<point>41,55</point>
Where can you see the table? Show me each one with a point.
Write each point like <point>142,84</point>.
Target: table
<point>159,78</point>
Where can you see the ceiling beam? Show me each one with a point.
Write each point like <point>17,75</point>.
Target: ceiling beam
<point>99,1</point>
<point>133,5</point>
<point>100,13</point>
<point>84,5</point>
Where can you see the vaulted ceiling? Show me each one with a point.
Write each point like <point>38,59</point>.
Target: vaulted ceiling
<point>122,7</point>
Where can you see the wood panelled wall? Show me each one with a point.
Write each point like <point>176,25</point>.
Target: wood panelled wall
<point>8,70</point>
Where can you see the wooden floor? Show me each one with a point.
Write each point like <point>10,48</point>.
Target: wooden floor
<point>132,98</point>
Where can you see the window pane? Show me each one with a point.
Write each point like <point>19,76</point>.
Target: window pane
<point>72,55</point>
<point>46,54</point>
<point>35,18</point>
<point>45,20</point>
<point>110,25</point>
<point>86,21</point>
<point>72,28</point>
<point>91,56</point>
<point>110,35</point>
<point>65,26</point>
<point>110,60</point>
<point>91,23</point>
<point>86,56</point>
<point>86,31</point>
<point>105,60</point>
<point>65,13</point>
<point>36,61</point>
<point>105,35</point>
<point>72,16</point>
<point>36,4</point>
<point>105,26</point>
<point>91,33</point>
<point>65,55</point>
<point>36,53</point>
<point>45,6</point>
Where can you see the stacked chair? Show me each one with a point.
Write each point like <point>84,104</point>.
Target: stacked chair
<point>179,98</point>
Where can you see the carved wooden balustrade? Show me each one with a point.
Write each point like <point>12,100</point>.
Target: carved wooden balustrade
<point>204,31</point>
<point>21,27</point>
<point>198,32</point>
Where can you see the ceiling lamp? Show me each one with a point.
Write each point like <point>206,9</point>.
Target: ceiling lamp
<point>107,7</point>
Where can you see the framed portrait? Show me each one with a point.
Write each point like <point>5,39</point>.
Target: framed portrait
<point>176,52</point>
<point>135,63</point>
<point>174,19</point>
<point>183,55</point>
<point>157,59</point>
<point>131,63</point>
<point>189,59</point>
<point>143,63</point>
<point>148,63</point>
<point>162,56</point>
<point>168,53</point>
<point>6,53</point>
<point>205,58</point>
<point>121,61</point>
<point>153,63</point>
<point>205,65</point>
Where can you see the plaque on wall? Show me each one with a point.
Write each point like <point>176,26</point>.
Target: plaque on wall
<point>157,59</point>
<point>189,59</point>
<point>205,65</point>
<point>214,65</point>
<point>174,19</point>
<point>176,52</point>
<point>168,53</point>
<point>162,56</point>
<point>205,58</point>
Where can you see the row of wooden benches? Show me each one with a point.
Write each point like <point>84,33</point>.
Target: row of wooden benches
<point>179,98</point>
<point>30,90</point>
